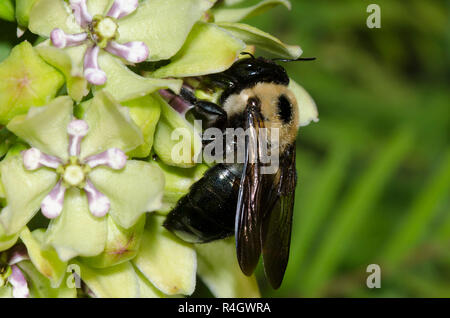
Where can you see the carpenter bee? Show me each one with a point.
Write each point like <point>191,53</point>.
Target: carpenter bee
<point>236,198</point>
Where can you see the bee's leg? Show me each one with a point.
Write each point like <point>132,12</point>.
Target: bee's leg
<point>211,115</point>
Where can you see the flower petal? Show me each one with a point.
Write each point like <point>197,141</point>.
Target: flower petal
<point>238,12</point>
<point>208,49</point>
<point>145,112</point>
<point>124,85</point>
<point>76,231</point>
<point>163,25</point>
<point>19,283</point>
<point>99,7</point>
<point>6,241</point>
<point>40,286</point>
<point>6,291</point>
<point>25,191</point>
<point>45,128</point>
<point>176,143</point>
<point>119,281</point>
<point>307,107</point>
<point>177,182</point>
<point>121,245</point>
<point>47,15</point>
<point>136,189</point>
<point>167,262</point>
<point>220,271</point>
<point>69,63</point>
<point>45,260</point>
<point>27,82</point>
<point>146,289</point>
<point>110,126</point>
<point>262,40</point>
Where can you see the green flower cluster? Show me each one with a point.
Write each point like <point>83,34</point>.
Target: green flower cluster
<point>87,175</point>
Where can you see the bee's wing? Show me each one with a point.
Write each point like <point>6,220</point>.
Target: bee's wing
<point>248,211</point>
<point>277,221</point>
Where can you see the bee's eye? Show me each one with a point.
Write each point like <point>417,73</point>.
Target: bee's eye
<point>284,109</point>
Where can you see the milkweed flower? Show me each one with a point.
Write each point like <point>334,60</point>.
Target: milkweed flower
<point>91,152</point>
<point>99,32</point>
<point>96,39</point>
<point>76,172</point>
<point>12,279</point>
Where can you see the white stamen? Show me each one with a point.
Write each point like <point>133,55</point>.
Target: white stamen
<point>61,40</point>
<point>19,283</point>
<point>114,158</point>
<point>53,203</point>
<point>92,71</point>
<point>98,202</point>
<point>33,159</point>
<point>122,8</point>
<point>133,52</point>
<point>81,12</point>
<point>77,129</point>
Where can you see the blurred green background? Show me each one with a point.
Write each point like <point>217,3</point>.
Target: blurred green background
<point>374,173</point>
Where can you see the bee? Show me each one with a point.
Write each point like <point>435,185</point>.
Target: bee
<point>236,198</point>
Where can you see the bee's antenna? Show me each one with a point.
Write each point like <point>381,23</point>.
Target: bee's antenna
<point>248,53</point>
<point>295,60</point>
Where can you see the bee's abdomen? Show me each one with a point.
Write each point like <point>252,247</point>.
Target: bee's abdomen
<point>208,211</point>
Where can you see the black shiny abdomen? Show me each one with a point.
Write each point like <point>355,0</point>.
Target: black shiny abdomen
<point>208,211</point>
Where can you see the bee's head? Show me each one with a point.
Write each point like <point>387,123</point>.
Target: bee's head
<point>248,72</point>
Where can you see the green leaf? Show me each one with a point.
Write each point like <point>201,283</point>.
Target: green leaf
<point>76,232</point>
<point>220,271</point>
<point>45,260</point>
<point>176,143</point>
<point>24,191</point>
<point>207,50</point>
<point>47,15</point>
<point>145,112</point>
<point>121,245</point>
<point>7,10</point>
<point>177,182</point>
<point>110,126</point>
<point>125,85</point>
<point>119,281</point>
<point>163,25</point>
<point>234,11</point>
<point>167,262</point>
<point>307,107</point>
<point>134,190</point>
<point>253,36</point>
<point>27,81</point>
<point>46,127</point>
